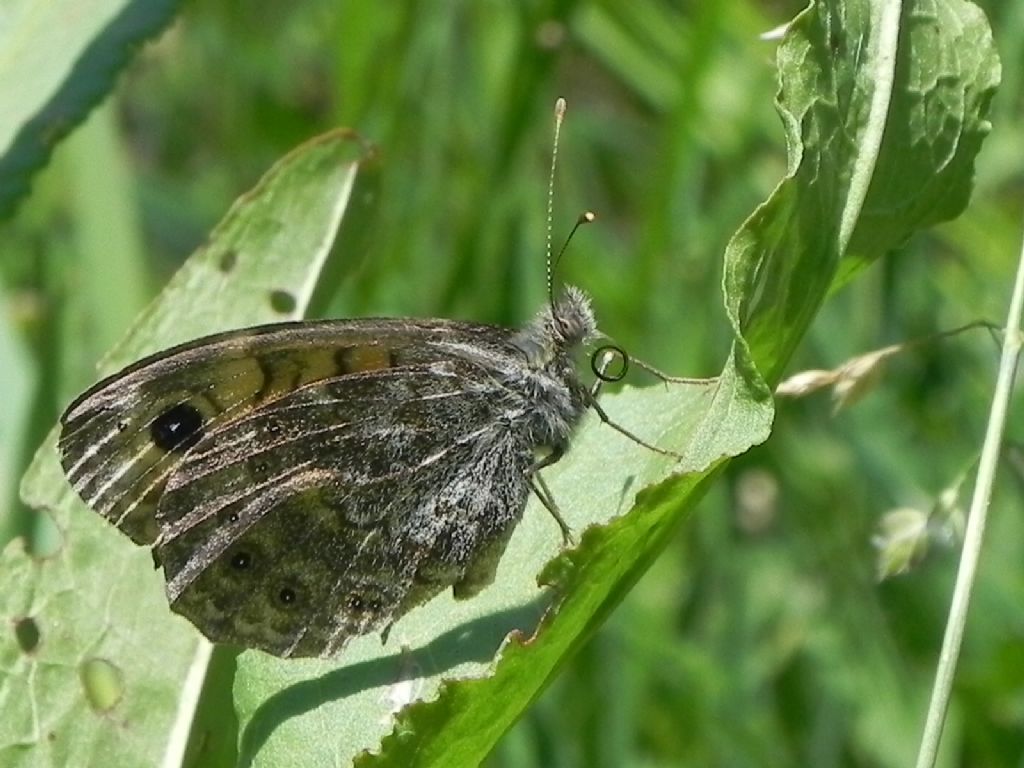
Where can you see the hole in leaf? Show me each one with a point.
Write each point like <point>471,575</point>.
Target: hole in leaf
<point>228,260</point>
<point>26,632</point>
<point>283,302</point>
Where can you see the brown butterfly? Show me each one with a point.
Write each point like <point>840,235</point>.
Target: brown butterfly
<point>303,483</point>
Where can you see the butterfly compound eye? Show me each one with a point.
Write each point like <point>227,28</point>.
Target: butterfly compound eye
<point>178,428</point>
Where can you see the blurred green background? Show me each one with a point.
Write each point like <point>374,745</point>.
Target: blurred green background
<point>761,637</point>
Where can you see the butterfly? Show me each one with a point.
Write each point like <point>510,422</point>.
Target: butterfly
<point>304,483</point>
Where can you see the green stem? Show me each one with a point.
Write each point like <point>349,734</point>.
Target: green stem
<point>953,638</point>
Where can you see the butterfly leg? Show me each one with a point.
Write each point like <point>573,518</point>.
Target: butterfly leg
<point>625,432</point>
<point>542,492</point>
<point>601,366</point>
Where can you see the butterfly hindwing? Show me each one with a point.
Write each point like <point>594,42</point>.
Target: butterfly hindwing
<point>320,530</point>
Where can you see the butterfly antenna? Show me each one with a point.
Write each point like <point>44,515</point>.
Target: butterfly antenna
<point>559,117</point>
<point>584,218</point>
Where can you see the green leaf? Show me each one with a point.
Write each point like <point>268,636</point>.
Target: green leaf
<point>97,604</point>
<point>58,60</point>
<point>946,75</point>
<point>877,150</point>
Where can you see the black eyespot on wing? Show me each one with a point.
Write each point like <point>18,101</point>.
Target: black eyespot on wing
<point>178,428</point>
<point>241,561</point>
<point>287,596</point>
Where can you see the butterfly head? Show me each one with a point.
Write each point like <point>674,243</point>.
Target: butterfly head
<point>570,320</point>
<point>558,328</point>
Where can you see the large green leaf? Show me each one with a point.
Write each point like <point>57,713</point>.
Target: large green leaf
<point>884,106</point>
<point>114,676</point>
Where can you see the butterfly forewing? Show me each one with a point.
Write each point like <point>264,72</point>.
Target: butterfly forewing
<point>121,439</point>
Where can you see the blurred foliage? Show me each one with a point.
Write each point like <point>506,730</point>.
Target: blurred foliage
<point>761,638</point>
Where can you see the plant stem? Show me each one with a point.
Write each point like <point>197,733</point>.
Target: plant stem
<point>978,515</point>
